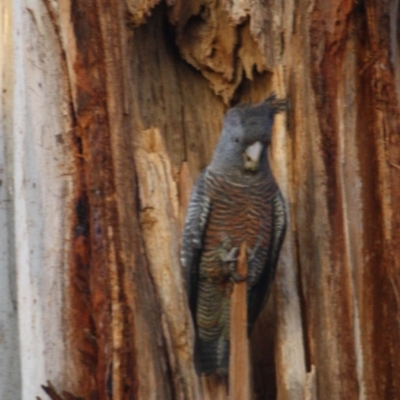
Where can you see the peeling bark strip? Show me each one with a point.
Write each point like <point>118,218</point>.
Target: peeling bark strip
<point>95,171</point>
<point>239,362</point>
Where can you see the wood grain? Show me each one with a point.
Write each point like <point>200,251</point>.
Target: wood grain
<point>239,362</point>
<point>82,281</point>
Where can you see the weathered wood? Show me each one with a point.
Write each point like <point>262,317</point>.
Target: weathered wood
<point>239,362</point>
<point>322,301</point>
<point>139,10</point>
<point>10,369</point>
<point>185,185</point>
<point>34,115</point>
<point>83,82</point>
<point>159,219</point>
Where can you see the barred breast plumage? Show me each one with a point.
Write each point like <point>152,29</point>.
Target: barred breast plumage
<point>239,213</point>
<point>229,206</point>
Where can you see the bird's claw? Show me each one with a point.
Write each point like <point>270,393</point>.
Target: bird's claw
<point>232,255</point>
<point>230,258</point>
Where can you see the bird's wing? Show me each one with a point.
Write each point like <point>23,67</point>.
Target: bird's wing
<point>192,243</point>
<point>259,293</point>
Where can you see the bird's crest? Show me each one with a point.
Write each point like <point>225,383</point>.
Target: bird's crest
<point>264,110</point>
<point>270,106</point>
<point>275,104</point>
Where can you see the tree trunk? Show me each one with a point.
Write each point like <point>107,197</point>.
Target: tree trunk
<point>109,110</point>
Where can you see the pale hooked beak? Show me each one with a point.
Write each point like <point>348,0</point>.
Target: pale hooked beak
<point>252,156</point>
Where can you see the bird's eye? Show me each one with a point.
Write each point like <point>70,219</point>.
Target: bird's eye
<point>237,140</point>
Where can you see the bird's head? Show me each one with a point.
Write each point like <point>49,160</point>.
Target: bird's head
<point>245,135</point>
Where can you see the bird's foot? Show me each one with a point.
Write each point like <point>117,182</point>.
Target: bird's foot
<point>229,258</point>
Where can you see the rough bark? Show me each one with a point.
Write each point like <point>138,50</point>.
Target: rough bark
<point>109,111</point>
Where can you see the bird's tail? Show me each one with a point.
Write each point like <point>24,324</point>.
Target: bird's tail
<point>212,357</point>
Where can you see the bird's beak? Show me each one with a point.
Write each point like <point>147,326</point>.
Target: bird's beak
<point>252,156</point>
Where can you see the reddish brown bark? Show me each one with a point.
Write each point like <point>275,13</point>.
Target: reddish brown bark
<point>337,159</point>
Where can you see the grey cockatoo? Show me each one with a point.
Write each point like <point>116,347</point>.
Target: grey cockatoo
<point>234,200</point>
